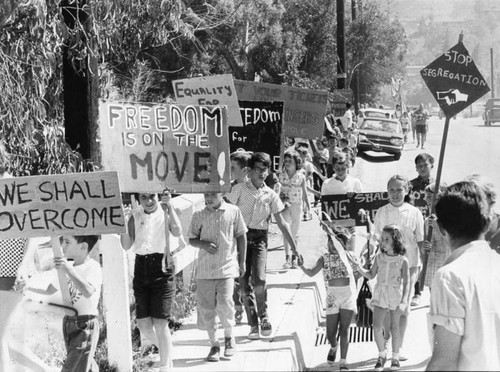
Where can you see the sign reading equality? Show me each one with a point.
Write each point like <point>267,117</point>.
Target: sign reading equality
<point>261,131</point>
<point>344,210</point>
<point>454,80</point>
<point>211,90</point>
<point>73,203</point>
<point>155,146</point>
<point>304,108</point>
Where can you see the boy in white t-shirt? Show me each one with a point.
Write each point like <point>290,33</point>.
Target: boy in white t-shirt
<point>84,276</point>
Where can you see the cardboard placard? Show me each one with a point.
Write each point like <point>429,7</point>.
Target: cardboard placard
<point>304,109</point>
<point>74,203</point>
<point>154,146</point>
<point>212,91</point>
<point>344,210</point>
<point>262,129</point>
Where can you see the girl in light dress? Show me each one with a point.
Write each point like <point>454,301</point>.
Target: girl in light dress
<point>391,291</point>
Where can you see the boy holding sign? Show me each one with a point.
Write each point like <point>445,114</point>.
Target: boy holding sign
<point>84,276</point>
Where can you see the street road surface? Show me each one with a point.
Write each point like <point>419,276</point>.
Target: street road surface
<point>471,148</point>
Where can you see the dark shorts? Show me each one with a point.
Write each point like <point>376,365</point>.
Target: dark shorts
<point>6,283</point>
<point>422,129</point>
<point>153,289</point>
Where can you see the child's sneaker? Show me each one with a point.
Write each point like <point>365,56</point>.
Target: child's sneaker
<point>395,365</point>
<point>379,366</point>
<point>254,333</point>
<point>265,327</point>
<point>214,354</point>
<point>343,367</point>
<point>332,354</point>
<point>287,265</point>
<point>229,347</point>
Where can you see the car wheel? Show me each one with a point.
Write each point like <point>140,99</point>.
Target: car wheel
<point>397,156</point>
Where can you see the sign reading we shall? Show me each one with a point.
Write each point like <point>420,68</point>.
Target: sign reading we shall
<point>212,91</point>
<point>261,131</point>
<point>75,203</point>
<point>304,109</point>
<point>154,146</point>
<point>344,209</point>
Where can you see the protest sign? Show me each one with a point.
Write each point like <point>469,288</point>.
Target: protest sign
<point>418,200</point>
<point>154,146</point>
<point>344,210</point>
<point>75,203</point>
<point>212,90</point>
<point>304,109</point>
<point>338,100</point>
<point>261,131</point>
<point>454,80</point>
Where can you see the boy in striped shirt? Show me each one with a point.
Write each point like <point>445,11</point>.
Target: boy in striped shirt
<point>213,230</point>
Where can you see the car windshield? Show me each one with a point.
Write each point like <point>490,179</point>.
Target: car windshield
<point>381,125</point>
<point>376,114</point>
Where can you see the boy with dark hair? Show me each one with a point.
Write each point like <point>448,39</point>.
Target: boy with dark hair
<point>423,164</point>
<point>464,309</point>
<point>84,276</point>
<point>239,166</point>
<point>257,203</point>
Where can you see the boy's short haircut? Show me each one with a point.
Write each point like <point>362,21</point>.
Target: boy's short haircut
<point>240,157</point>
<point>463,211</point>
<point>91,240</point>
<point>344,140</point>
<point>424,157</point>
<point>259,157</point>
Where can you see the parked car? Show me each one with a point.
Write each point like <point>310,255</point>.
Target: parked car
<point>491,112</point>
<point>381,135</point>
<point>377,113</point>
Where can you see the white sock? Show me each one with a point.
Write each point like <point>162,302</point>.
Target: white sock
<point>342,362</point>
<point>382,354</point>
<point>395,356</point>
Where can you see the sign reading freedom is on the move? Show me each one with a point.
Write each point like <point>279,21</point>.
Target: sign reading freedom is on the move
<point>304,109</point>
<point>344,210</point>
<point>454,80</point>
<point>261,131</point>
<point>154,146</point>
<point>212,91</point>
<point>75,203</point>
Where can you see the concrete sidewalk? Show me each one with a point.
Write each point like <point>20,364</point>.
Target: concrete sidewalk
<point>296,311</point>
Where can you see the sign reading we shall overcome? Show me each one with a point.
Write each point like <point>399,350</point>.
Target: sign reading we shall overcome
<point>75,203</point>
<point>154,146</point>
<point>211,90</point>
<point>344,209</point>
<point>304,109</point>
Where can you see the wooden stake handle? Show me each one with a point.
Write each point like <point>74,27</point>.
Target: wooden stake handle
<point>63,283</point>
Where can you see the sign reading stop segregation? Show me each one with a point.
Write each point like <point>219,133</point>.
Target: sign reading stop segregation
<point>454,80</point>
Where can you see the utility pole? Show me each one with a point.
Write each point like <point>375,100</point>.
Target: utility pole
<point>353,9</point>
<point>80,88</point>
<point>341,68</point>
<point>492,74</point>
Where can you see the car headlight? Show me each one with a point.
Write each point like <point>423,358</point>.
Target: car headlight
<point>361,137</point>
<point>396,141</point>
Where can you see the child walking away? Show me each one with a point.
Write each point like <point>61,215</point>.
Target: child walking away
<point>213,230</point>
<point>84,276</point>
<point>148,231</point>
<point>293,195</point>
<point>390,293</point>
<point>341,290</point>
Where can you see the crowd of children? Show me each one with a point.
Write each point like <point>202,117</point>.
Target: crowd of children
<point>231,234</point>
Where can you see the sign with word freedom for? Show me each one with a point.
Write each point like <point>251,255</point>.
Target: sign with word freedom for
<point>261,131</point>
<point>74,203</point>
<point>212,91</point>
<point>304,109</point>
<point>454,80</point>
<point>344,209</point>
<point>154,146</point>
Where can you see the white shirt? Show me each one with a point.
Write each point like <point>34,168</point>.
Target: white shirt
<point>348,116</point>
<point>465,301</point>
<point>333,186</point>
<point>410,220</point>
<point>149,231</point>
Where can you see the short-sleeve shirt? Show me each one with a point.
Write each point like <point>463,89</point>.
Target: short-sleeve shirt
<point>256,205</point>
<point>11,256</point>
<point>220,226</point>
<point>418,186</point>
<point>410,220</point>
<point>333,186</point>
<point>292,187</point>
<point>464,300</point>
